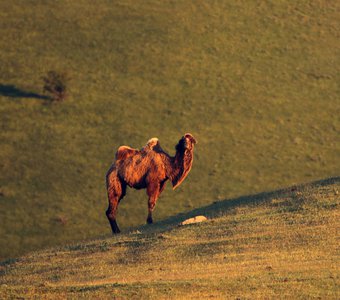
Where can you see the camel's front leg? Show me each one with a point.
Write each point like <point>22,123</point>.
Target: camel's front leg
<point>153,191</point>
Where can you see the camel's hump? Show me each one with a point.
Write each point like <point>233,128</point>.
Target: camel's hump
<point>152,144</point>
<point>125,151</point>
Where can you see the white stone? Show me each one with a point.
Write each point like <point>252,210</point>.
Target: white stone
<point>193,220</point>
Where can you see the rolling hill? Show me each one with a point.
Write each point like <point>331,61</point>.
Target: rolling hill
<point>281,244</point>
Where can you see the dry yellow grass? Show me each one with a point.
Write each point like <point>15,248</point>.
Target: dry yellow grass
<point>276,245</point>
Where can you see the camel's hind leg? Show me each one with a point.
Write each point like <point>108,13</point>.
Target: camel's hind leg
<point>116,190</point>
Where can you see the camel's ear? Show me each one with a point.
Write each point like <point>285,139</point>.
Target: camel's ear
<point>187,159</point>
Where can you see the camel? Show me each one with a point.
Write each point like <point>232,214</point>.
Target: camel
<point>148,168</point>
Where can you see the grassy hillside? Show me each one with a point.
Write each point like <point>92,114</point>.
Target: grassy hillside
<point>256,82</point>
<point>282,244</point>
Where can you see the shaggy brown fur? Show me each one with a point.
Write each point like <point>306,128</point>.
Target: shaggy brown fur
<point>148,168</point>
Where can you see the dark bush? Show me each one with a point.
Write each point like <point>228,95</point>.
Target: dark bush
<point>56,84</point>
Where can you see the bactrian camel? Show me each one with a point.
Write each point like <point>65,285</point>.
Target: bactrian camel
<point>148,168</point>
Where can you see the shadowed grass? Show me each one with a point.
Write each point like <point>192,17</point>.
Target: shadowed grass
<point>8,90</point>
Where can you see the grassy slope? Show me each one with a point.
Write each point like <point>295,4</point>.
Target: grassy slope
<point>282,244</point>
<point>255,81</point>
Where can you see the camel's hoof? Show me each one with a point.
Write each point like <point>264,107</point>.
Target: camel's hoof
<point>114,227</point>
<point>149,220</point>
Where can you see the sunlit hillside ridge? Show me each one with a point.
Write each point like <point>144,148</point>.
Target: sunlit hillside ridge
<point>279,244</point>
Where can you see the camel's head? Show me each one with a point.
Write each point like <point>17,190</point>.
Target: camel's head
<point>185,156</point>
<point>187,142</point>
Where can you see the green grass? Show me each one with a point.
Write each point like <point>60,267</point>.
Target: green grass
<point>256,82</point>
<point>282,244</point>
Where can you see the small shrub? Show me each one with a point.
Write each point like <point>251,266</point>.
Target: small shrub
<point>56,84</point>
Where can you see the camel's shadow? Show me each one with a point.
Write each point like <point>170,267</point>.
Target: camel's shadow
<point>228,206</point>
<point>9,90</point>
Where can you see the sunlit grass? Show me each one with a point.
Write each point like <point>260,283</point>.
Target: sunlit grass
<point>256,82</point>
<point>266,246</point>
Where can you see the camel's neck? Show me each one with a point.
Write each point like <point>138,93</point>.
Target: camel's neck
<point>172,165</point>
<point>176,166</point>
<point>179,166</point>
